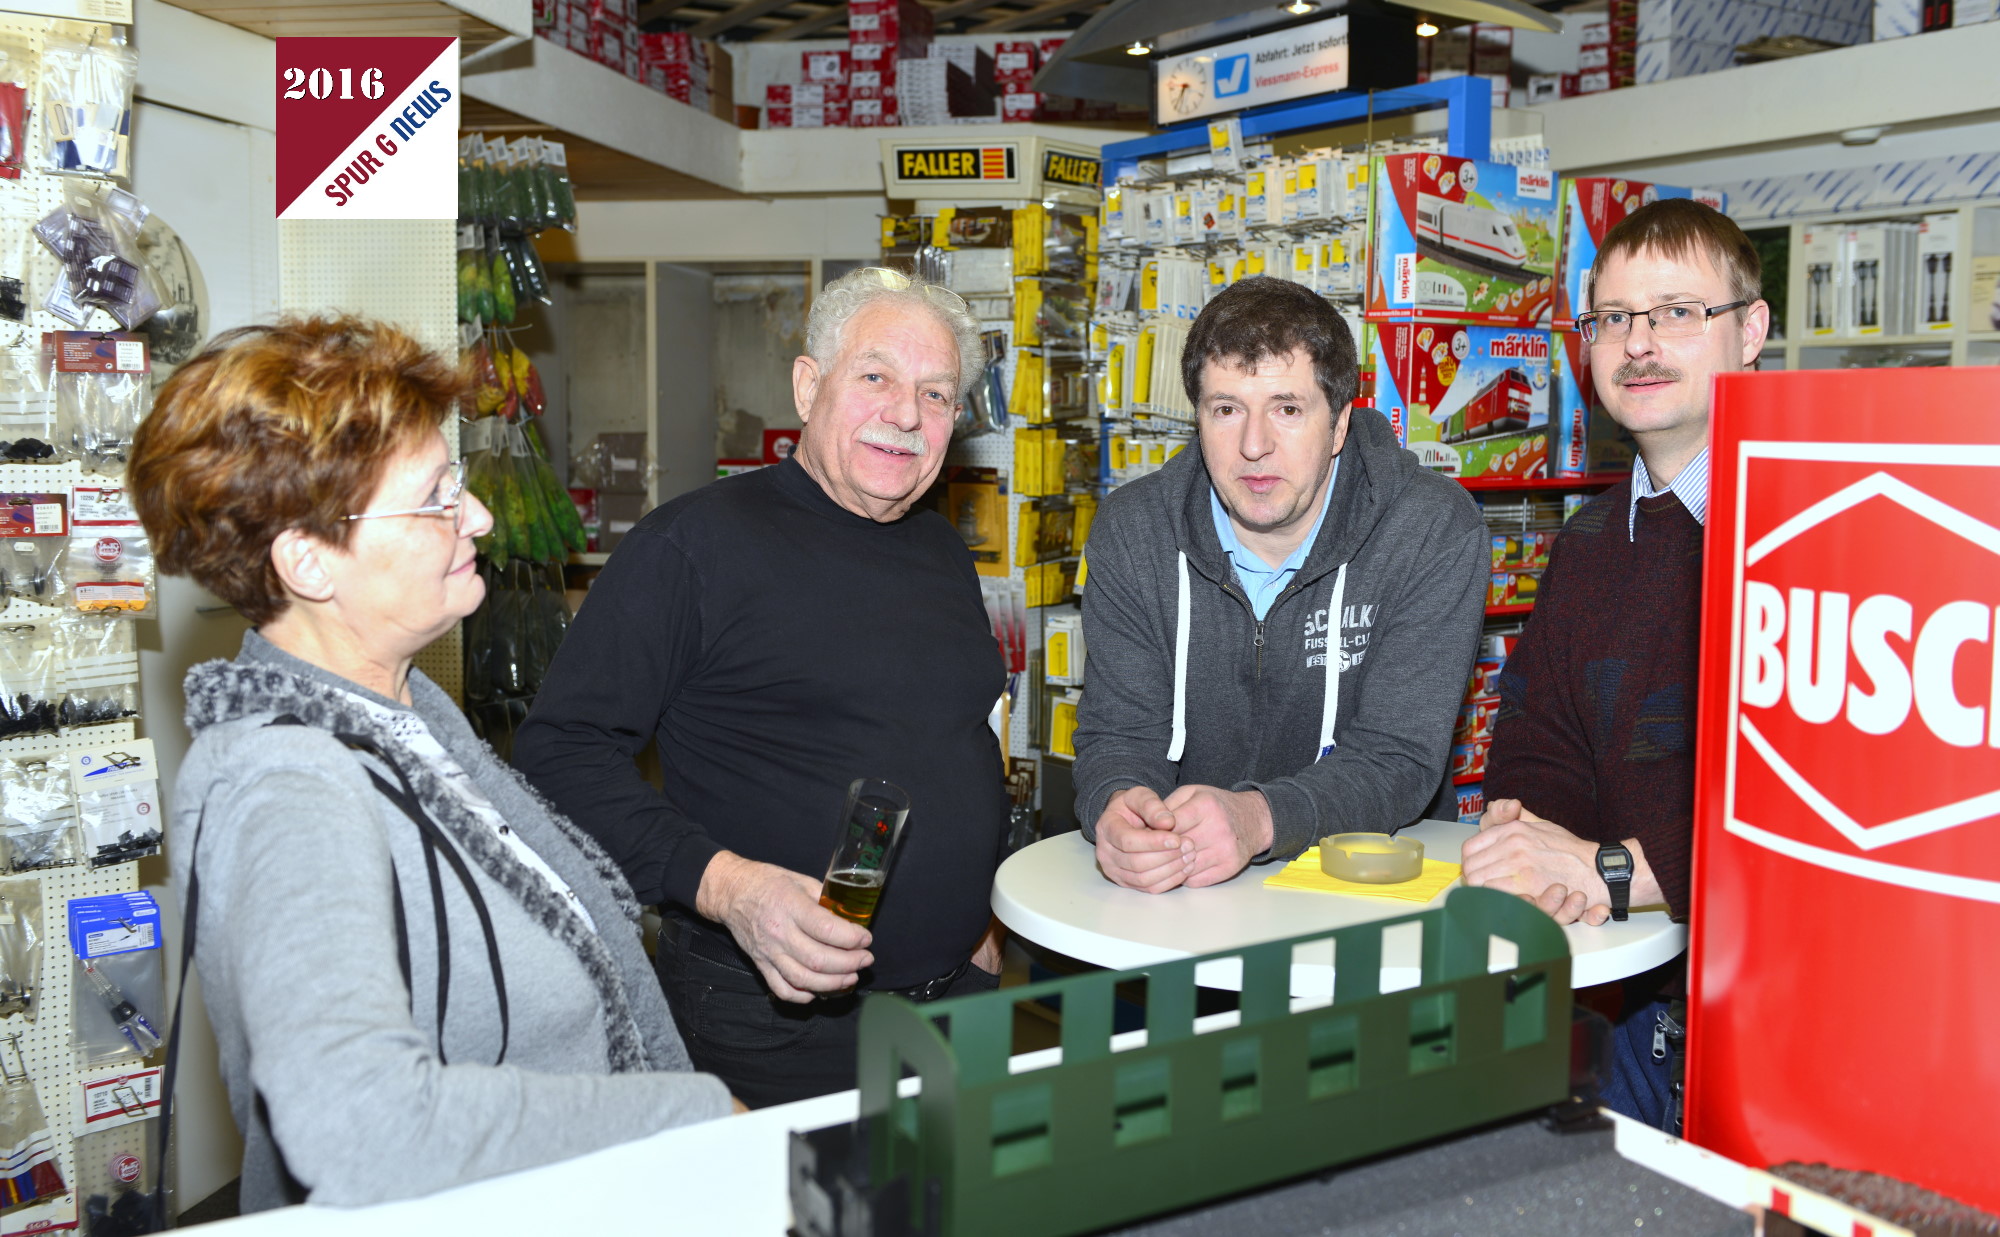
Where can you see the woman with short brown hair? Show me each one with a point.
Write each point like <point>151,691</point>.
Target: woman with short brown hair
<point>418,973</point>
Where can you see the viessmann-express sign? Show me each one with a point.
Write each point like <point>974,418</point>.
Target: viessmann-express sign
<point>1847,880</point>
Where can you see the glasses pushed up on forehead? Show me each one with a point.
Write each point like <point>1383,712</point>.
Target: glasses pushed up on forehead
<point>1611,326</point>
<point>448,499</point>
<point>897,281</point>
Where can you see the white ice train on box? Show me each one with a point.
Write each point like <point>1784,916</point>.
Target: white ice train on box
<point>1477,231</point>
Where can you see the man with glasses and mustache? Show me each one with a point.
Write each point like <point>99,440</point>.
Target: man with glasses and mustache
<point>780,634</point>
<point>1590,781</point>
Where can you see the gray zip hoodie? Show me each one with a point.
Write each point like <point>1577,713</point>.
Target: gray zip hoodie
<point>1183,686</point>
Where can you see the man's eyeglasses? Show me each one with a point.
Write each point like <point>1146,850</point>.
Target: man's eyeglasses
<point>897,281</point>
<point>1611,326</point>
<point>450,493</point>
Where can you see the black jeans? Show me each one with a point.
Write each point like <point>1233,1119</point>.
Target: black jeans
<point>769,1051</point>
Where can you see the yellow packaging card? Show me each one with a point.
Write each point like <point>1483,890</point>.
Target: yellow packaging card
<point>1055,655</point>
<point>1062,729</point>
<point>1024,542</point>
<point>1304,873</point>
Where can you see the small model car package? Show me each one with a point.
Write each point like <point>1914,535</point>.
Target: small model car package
<point>103,388</point>
<point>117,791</point>
<point>1469,401</point>
<point>1592,206</point>
<point>1461,238</point>
<point>118,992</point>
<point>117,1152</point>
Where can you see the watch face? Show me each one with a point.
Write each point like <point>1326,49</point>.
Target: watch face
<point>1613,862</point>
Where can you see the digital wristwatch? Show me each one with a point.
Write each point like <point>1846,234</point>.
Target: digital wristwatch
<point>1614,864</point>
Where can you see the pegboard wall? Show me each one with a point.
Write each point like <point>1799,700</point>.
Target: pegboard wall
<point>402,271</point>
<point>52,1062</point>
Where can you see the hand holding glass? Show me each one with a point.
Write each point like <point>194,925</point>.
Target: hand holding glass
<point>870,828</point>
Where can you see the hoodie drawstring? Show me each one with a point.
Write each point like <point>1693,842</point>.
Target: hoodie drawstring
<point>1330,701</point>
<point>1182,605</point>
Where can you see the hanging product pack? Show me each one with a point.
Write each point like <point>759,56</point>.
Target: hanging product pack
<point>34,529</point>
<point>88,72</point>
<point>100,664</point>
<point>37,814</point>
<point>20,947</point>
<point>118,989</point>
<point>28,1166</point>
<point>30,681</point>
<point>103,388</point>
<point>95,235</point>
<point>117,791</point>
<point>27,409</point>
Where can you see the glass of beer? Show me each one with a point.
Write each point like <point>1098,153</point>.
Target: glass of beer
<point>870,828</point>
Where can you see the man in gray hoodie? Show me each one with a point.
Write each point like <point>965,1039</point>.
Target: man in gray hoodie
<point>1280,621</point>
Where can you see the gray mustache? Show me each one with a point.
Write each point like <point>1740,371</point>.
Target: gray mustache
<point>1638,371</point>
<point>877,434</point>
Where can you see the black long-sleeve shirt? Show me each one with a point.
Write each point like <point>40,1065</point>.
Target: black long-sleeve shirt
<point>780,646</point>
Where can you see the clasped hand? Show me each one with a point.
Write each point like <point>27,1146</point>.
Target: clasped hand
<point>1519,852</point>
<point>1196,836</point>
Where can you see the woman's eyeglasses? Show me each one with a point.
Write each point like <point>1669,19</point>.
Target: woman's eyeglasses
<point>450,493</point>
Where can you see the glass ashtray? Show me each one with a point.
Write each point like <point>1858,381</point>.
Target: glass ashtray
<point>1371,858</point>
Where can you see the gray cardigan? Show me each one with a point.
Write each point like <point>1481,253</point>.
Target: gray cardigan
<point>334,1071</point>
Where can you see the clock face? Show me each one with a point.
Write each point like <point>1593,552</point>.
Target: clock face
<point>1185,88</point>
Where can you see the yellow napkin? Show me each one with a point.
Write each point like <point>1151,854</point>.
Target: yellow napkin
<point>1304,873</point>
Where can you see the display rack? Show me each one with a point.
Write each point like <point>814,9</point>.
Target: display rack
<point>51,1060</point>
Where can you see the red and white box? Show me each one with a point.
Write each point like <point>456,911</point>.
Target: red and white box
<point>1019,104</point>
<point>795,117</point>
<point>824,66</point>
<point>872,113</point>
<point>805,94</point>
<point>1015,61</point>
<point>877,83</point>
<point>903,25</point>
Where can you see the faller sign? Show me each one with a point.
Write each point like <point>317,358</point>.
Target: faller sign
<point>1846,911</point>
<point>367,128</point>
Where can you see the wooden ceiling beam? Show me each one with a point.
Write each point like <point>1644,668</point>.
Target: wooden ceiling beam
<point>1040,13</point>
<point>831,15</point>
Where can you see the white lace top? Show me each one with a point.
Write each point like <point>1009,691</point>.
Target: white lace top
<point>410,729</point>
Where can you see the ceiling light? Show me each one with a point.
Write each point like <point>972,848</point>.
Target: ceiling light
<point>1426,28</point>
<point>1139,48</point>
<point>1299,8</point>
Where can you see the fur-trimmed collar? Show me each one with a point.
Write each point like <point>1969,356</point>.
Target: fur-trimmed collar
<point>222,691</point>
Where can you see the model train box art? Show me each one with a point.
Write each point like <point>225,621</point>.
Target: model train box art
<point>1469,401</point>
<point>1586,439</point>
<point>1592,206</point>
<point>1462,239</point>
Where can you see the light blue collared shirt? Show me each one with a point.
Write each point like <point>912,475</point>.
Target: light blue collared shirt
<point>1262,582</point>
<point>1691,487</point>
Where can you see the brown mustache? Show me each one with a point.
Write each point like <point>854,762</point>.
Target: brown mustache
<point>1641,371</point>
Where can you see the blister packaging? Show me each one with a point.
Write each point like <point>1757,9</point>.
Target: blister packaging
<point>30,682</point>
<point>87,77</point>
<point>37,814</point>
<point>118,993</point>
<point>117,801</point>
<point>34,528</point>
<point>27,409</point>
<point>109,571</point>
<point>20,947</point>
<point>100,663</point>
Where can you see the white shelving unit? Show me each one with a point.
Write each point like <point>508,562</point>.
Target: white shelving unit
<point>1970,340</point>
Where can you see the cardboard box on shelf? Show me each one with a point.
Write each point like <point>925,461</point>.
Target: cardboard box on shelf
<point>872,113</point>
<point>824,66</point>
<point>1592,206</point>
<point>1461,238</point>
<point>903,26</point>
<point>1468,401</point>
<point>624,458</point>
<point>873,83</point>
<point>616,516</point>
<point>1586,439</point>
<point>1016,61</point>
<point>1826,281</point>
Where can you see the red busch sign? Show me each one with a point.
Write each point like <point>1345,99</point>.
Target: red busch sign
<point>1846,919</point>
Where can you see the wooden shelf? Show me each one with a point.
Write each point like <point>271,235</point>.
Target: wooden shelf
<point>1519,607</point>
<point>1596,480</point>
<point>1875,341</point>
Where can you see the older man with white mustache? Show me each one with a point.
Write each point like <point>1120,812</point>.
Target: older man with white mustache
<point>780,634</point>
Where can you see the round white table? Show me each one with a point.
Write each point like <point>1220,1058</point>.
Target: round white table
<point>1052,894</point>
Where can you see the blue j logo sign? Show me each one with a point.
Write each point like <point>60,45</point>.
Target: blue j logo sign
<point>1232,76</point>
